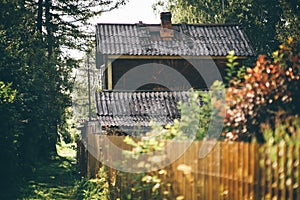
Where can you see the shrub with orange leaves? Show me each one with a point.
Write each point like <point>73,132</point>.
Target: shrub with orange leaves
<point>271,85</point>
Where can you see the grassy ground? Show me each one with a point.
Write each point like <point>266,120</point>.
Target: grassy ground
<point>56,179</point>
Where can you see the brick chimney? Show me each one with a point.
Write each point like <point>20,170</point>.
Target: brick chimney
<point>166,32</point>
<point>166,19</point>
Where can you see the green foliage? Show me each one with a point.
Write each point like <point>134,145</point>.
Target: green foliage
<point>9,135</point>
<point>196,123</point>
<point>63,20</point>
<point>280,149</point>
<point>55,179</point>
<point>153,184</point>
<point>271,86</point>
<point>96,188</point>
<point>197,116</point>
<point>80,96</point>
<point>234,73</point>
<point>192,11</point>
<point>34,36</point>
<point>146,145</point>
<point>7,95</point>
<point>286,131</point>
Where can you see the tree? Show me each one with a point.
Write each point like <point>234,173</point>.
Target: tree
<point>8,134</point>
<point>62,21</point>
<point>266,23</point>
<point>33,36</point>
<point>87,78</point>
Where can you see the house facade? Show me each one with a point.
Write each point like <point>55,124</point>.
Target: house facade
<point>148,68</point>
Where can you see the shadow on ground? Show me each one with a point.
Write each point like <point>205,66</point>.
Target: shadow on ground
<point>55,179</point>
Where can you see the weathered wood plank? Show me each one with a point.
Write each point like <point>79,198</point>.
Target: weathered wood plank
<point>229,171</point>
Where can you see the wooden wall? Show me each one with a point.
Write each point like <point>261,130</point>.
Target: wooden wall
<point>232,170</point>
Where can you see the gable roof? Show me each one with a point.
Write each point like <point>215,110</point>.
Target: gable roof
<point>189,40</point>
<point>139,108</point>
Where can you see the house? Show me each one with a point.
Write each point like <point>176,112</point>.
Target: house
<point>122,111</point>
<point>147,68</point>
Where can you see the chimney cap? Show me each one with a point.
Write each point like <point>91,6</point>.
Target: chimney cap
<point>165,14</point>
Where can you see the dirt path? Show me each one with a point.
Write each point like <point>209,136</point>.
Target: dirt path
<point>53,180</point>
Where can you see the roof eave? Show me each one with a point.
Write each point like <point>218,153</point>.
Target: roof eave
<point>114,57</point>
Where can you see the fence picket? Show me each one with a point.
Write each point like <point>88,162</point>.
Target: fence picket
<point>232,170</point>
<point>276,173</point>
<point>298,167</point>
<point>236,171</point>
<point>284,159</point>
<point>243,179</point>
<point>291,171</point>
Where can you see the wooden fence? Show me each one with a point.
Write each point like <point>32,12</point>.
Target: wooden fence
<point>231,170</point>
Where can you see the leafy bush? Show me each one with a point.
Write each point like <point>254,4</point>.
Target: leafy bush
<point>270,86</point>
<point>201,117</point>
<point>96,188</point>
<point>7,95</point>
<point>153,185</point>
<point>196,123</point>
<point>281,151</point>
<point>287,130</point>
<point>234,73</point>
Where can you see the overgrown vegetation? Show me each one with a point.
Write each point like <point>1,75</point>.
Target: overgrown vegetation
<point>54,179</point>
<point>266,23</point>
<point>36,72</point>
<point>270,86</point>
<point>234,72</point>
<point>95,188</point>
<point>197,123</point>
<point>281,148</point>
<point>36,82</point>
<point>262,105</point>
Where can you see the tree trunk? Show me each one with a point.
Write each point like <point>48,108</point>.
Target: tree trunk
<point>48,24</point>
<point>39,20</point>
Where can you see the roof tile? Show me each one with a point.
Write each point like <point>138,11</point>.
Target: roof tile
<point>195,40</point>
<point>117,108</point>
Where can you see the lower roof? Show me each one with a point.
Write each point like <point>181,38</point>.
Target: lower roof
<point>138,108</point>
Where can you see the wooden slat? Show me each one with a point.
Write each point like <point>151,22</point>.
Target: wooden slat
<point>186,189</point>
<point>109,75</point>
<point>240,172</point>
<point>205,172</point>
<point>246,153</point>
<point>210,178</point>
<point>251,170</point>
<point>194,169</point>
<point>222,169</point>
<point>236,171</point>
<point>216,158</point>
<point>284,158</point>
<point>270,177</point>
<point>276,173</point>
<point>197,173</point>
<point>298,166</point>
<point>263,173</point>
<point>291,171</point>
<point>257,172</point>
<point>243,179</point>
<point>229,171</point>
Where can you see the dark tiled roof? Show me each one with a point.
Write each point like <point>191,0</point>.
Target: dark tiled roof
<point>189,40</point>
<point>116,109</point>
